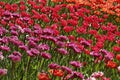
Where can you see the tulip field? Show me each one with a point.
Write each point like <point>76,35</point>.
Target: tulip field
<point>59,39</point>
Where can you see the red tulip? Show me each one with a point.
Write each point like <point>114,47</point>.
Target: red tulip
<point>111,64</point>
<point>43,76</point>
<point>118,56</point>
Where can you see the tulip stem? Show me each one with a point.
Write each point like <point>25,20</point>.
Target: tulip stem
<point>42,63</point>
<point>13,68</point>
<point>27,67</point>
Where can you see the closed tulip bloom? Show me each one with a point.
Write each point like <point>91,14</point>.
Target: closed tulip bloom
<point>14,28</point>
<point>27,30</point>
<point>63,22</point>
<point>95,54</point>
<point>43,76</point>
<point>47,31</point>
<point>79,75</point>
<point>77,49</point>
<point>34,51</point>
<point>4,40</point>
<point>97,74</point>
<point>68,29</point>
<point>51,38</point>
<point>62,38</point>
<point>7,13</point>
<point>109,56</point>
<point>103,51</point>
<point>62,51</point>
<point>116,48</point>
<point>37,29</point>
<point>23,47</point>
<point>84,42</point>
<point>29,52</point>
<point>60,43</point>
<point>15,33</point>
<point>14,40</point>
<point>71,37</point>
<point>5,48</point>
<point>43,47</point>
<point>26,19</point>
<point>15,56</point>
<point>74,47</point>
<point>33,39</point>
<point>45,55</point>
<point>67,69</point>
<point>53,66</point>
<point>111,64</point>
<point>16,15</point>
<point>118,57</point>
<point>32,43</point>
<point>58,72</point>
<point>76,64</point>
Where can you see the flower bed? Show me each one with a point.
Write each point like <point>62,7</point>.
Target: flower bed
<point>49,40</point>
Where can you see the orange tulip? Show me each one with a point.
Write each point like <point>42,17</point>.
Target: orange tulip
<point>56,72</point>
<point>117,19</point>
<point>105,6</point>
<point>43,76</point>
